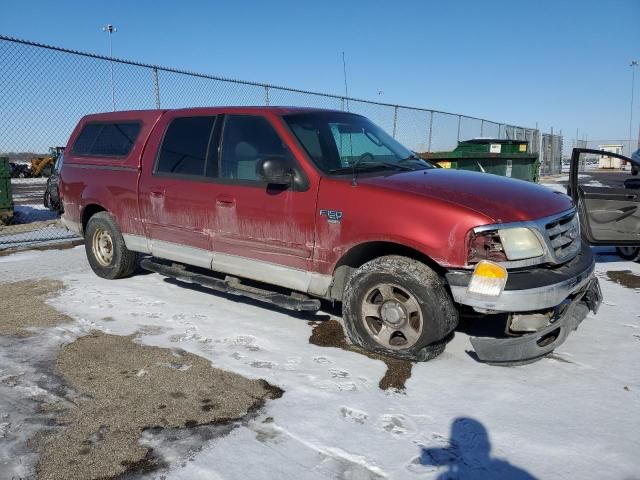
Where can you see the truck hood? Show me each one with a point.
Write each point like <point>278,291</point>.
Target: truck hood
<point>499,198</point>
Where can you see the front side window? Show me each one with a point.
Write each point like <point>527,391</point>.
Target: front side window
<point>107,139</point>
<point>186,146</point>
<point>247,140</point>
<point>337,141</point>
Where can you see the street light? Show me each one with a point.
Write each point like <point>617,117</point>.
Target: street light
<point>110,29</point>
<point>634,63</point>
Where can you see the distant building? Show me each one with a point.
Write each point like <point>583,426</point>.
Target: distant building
<point>610,162</point>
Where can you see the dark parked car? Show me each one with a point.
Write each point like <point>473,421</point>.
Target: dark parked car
<point>51,194</point>
<point>608,215</point>
<point>635,167</point>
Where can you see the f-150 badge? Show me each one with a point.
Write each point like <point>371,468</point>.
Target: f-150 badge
<point>333,216</point>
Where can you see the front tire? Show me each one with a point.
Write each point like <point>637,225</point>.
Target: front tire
<point>398,307</point>
<point>106,251</point>
<point>629,253</point>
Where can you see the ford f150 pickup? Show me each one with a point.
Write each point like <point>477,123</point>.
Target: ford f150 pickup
<point>293,205</point>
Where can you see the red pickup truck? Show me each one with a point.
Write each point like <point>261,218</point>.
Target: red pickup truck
<point>293,205</point>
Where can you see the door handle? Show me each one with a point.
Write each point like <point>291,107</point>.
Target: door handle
<point>225,201</point>
<point>157,193</point>
<point>631,196</point>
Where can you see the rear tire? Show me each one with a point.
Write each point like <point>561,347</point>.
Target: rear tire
<point>398,307</point>
<point>629,253</point>
<point>106,251</point>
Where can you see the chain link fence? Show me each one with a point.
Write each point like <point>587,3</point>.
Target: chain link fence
<point>603,162</point>
<point>623,147</point>
<point>45,90</point>
<point>550,154</point>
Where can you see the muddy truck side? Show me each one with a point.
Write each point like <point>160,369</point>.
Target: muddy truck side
<point>290,206</point>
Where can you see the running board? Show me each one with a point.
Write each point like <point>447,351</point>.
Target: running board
<point>232,286</point>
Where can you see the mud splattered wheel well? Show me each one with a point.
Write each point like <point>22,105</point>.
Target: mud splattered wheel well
<point>88,212</point>
<point>365,252</point>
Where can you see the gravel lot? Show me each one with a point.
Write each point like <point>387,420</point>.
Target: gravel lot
<point>101,392</point>
<point>113,352</point>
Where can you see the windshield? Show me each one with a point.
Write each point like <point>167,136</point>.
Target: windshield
<point>337,141</point>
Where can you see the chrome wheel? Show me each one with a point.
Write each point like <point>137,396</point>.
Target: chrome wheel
<point>102,246</point>
<point>392,316</point>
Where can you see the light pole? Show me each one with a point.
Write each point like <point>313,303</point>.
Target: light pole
<point>634,63</point>
<point>110,29</point>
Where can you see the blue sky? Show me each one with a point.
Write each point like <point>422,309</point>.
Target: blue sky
<point>559,63</point>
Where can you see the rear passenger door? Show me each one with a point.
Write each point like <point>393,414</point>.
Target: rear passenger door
<point>262,231</point>
<point>177,188</point>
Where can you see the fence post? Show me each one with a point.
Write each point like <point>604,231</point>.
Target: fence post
<point>459,120</point>
<point>156,87</point>
<point>395,120</point>
<point>482,128</point>
<point>430,130</point>
<point>266,95</point>
<point>552,156</point>
<point>342,103</point>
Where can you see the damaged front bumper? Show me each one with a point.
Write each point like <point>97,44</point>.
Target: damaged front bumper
<point>570,291</point>
<point>533,346</point>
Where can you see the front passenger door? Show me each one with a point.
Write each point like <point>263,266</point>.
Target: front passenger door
<point>609,215</point>
<point>263,232</point>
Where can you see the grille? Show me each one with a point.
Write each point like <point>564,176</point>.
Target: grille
<point>563,237</point>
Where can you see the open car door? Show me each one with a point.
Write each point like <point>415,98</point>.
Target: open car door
<point>608,215</point>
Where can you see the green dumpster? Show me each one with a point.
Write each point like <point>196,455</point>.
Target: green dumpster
<point>6,198</point>
<point>509,158</point>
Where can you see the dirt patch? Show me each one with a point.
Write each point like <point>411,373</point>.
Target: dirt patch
<point>127,388</point>
<point>331,334</point>
<point>23,306</point>
<point>626,278</point>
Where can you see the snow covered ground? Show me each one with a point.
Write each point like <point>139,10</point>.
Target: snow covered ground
<point>576,415</point>
<point>29,181</point>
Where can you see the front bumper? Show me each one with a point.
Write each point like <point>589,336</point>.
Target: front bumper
<point>571,290</point>
<point>528,290</point>
<point>533,346</point>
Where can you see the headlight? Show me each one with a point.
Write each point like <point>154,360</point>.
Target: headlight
<point>520,243</point>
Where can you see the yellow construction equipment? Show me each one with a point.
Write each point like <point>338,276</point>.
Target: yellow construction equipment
<point>43,166</point>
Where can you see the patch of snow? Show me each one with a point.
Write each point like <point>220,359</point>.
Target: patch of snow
<point>36,211</point>
<point>574,415</point>
<point>27,381</point>
<point>29,181</point>
<point>42,264</point>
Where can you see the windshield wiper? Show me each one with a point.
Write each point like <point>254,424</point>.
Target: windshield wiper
<point>360,166</point>
<point>415,158</point>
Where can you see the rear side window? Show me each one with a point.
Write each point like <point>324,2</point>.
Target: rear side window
<point>107,139</point>
<point>185,146</point>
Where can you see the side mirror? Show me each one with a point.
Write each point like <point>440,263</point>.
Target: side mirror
<point>275,171</point>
